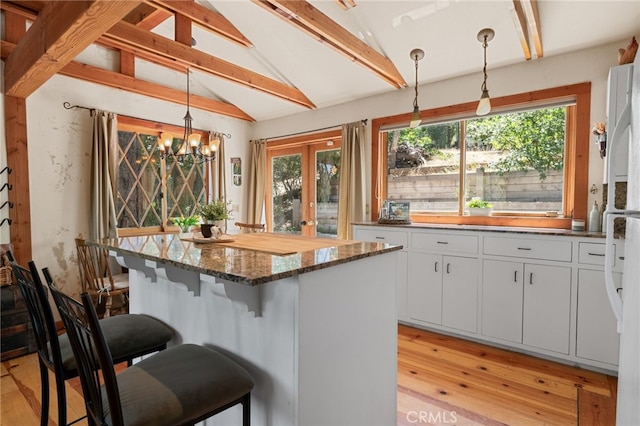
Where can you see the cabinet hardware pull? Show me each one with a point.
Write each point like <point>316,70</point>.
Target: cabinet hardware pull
<point>443,242</point>
<point>524,248</point>
<point>596,254</point>
<point>379,238</point>
<point>448,264</point>
<point>619,290</point>
<point>531,278</point>
<point>621,257</point>
<point>435,267</point>
<point>515,276</point>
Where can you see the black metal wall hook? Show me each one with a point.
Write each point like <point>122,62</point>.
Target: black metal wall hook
<point>6,169</point>
<point>6,219</point>
<point>6,185</point>
<point>5,203</point>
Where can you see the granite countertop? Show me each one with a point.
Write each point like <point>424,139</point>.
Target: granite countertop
<point>484,228</point>
<point>249,267</point>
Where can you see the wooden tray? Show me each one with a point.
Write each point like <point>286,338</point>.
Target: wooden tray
<point>198,238</point>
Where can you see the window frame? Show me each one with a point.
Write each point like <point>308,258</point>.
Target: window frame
<point>576,167</point>
<point>153,128</point>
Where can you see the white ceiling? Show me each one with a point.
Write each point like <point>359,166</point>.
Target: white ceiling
<point>445,29</point>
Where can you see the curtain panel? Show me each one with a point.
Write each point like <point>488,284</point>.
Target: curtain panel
<point>256,181</point>
<point>352,198</point>
<point>104,175</point>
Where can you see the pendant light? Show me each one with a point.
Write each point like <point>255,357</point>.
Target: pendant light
<point>191,144</point>
<point>484,106</point>
<point>416,55</point>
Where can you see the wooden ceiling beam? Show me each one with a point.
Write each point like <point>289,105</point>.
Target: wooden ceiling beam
<point>62,31</point>
<point>531,12</point>
<point>307,18</point>
<point>205,18</point>
<point>170,49</point>
<point>142,87</point>
<point>520,24</point>
<point>147,16</point>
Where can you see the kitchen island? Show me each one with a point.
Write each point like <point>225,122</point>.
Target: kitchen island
<point>316,329</point>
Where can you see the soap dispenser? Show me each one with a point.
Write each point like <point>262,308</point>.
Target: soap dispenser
<point>594,218</point>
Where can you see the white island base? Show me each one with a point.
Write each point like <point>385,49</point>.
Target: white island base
<point>321,346</point>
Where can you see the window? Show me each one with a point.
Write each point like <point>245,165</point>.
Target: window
<point>528,159</point>
<point>152,190</point>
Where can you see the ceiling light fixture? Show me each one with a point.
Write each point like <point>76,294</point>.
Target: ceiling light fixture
<point>484,106</point>
<point>190,145</point>
<point>416,55</point>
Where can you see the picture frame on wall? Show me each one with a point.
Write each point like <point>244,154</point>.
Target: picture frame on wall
<point>236,170</point>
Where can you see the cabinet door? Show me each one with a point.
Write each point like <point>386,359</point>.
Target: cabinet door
<point>547,307</point>
<point>597,338</point>
<point>619,92</point>
<point>460,293</point>
<point>502,300</point>
<point>425,287</point>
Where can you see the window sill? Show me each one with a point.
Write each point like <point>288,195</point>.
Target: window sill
<point>512,221</point>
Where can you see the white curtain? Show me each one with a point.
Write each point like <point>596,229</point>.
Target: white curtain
<point>104,168</point>
<point>256,181</point>
<point>352,198</point>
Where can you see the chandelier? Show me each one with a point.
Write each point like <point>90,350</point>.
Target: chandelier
<point>191,145</point>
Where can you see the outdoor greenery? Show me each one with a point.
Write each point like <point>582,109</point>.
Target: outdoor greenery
<point>528,140</point>
<point>287,187</point>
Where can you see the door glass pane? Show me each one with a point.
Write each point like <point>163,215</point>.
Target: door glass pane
<point>327,182</point>
<point>286,193</point>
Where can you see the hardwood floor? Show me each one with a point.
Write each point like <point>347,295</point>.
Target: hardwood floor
<point>441,381</point>
<point>444,380</point>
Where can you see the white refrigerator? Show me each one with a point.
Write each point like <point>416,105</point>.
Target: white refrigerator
<point>626,307</point>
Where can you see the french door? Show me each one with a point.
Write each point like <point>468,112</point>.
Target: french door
<point>302,195</point>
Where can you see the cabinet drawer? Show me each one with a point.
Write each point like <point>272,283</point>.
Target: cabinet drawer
<point>528,248</point>
<point>382,236</point>
<point>593,253</point>
<point>444,242</point>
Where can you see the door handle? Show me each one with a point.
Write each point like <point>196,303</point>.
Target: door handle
<point>304,222</point>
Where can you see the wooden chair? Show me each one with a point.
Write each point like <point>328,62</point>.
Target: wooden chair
<point>128,337</point>
<point>97,278</point>
<point>250,227</point>
<point>184,384</point>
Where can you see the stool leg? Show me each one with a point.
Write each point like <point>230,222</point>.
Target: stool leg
<point>44,383</point>
<point>246,410</point>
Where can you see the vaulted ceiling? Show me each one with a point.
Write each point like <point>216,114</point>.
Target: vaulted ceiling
<point>262,59</point>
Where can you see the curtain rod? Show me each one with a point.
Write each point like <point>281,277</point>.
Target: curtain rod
<point>364,121</point>
<point>92,111</point>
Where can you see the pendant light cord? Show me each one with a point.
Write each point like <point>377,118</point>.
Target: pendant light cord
<point>484,69</point>
<point>415,100</point>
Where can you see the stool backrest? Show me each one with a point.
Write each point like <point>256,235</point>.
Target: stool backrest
<point>92,354</point>
<point>40,313</point>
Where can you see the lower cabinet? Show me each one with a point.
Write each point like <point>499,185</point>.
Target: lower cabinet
<point>443,290</point>
<point>596,338</point>
<point>527,303</point>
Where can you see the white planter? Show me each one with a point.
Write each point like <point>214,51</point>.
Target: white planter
<point>478,211</point>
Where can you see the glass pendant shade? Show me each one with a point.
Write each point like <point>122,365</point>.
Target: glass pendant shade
<point>415,117</point>
<point>484,106</point>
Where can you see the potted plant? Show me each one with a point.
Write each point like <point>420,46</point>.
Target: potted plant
<point>479,207</point>
<point>214,213</point>
<point>185,222</point>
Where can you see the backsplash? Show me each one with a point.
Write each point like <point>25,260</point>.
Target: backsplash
<point>619,225</point>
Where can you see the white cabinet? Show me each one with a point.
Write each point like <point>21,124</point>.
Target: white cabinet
<point>596,337</point>
<point>443,290</point>
<point>619,90</point>
<point>527,303</point>
<point>399,236</point>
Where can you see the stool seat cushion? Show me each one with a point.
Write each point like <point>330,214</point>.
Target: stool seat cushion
<point>127,335</point>
<point>178,385</point>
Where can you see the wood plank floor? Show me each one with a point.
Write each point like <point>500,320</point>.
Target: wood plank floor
<point>441,381</point>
